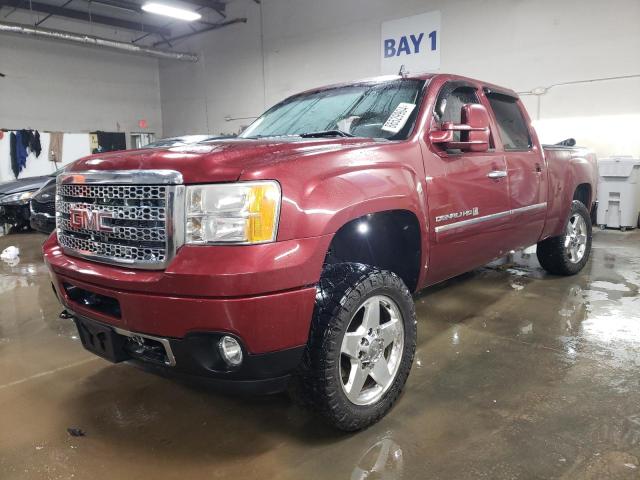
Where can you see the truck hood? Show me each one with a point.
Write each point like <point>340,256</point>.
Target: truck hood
<point>218,161</point>
<point>23,184</point>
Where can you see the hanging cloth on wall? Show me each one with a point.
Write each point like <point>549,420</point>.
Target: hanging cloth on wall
<point>31,140</point>
<point>24,136</point>
<point>21,152</point>
<point>13,141</point>
<point>34,145</point>
<point>55,146</point>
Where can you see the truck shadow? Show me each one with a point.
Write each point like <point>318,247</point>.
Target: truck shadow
<point>135,409</point>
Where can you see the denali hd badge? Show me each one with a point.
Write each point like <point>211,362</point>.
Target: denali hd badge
<point>87,219</point>
<point>464,213</point>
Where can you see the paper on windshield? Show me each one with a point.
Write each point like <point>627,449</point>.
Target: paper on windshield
<point>398,117</point>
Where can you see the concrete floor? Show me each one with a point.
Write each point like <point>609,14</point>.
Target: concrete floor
<point>517,375</point>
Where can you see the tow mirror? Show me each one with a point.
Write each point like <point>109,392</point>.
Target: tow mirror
<point>474,130</point>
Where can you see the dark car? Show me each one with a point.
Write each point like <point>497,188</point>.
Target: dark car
<point>14,200</point>
<point>43,208</point>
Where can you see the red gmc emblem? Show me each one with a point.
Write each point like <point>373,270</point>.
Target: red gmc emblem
<point>87,219</point>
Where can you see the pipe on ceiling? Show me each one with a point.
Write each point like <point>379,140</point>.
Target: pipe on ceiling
<point>89,40</point>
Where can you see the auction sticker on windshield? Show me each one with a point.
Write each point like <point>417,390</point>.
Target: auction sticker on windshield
<point>398,117</point>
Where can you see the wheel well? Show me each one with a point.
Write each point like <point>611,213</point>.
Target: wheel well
<point>389,240</point>
<point>583,194</point>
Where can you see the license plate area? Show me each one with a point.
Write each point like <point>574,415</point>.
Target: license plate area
<point>102,340</point>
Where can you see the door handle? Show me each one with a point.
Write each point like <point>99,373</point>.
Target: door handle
<point>495,174</point>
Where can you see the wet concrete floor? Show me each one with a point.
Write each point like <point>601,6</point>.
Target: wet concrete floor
<point>518,375</point>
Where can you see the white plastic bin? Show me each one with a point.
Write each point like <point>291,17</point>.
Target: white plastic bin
<point>619,192</point>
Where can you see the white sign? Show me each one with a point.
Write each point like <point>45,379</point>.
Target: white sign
<point>411,41</point>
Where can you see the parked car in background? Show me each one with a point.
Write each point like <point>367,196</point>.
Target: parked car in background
<point>43,207</point>
<point>289,254</point>
<point>14,200</point>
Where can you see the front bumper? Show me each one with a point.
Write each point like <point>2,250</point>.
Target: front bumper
<point>263,295</point>
<point>15,215</point>
<point>42,222</point>
<point>196,357</point>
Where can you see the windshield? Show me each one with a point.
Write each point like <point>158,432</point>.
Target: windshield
<point>360,110</point>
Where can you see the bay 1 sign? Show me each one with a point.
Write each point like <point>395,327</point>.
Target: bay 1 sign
<point>411,41</point>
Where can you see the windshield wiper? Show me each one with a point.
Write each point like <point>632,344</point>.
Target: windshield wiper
<point>327,133</point>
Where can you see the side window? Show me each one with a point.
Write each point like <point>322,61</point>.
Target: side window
<point>511,124</point>
<point>449,104</point>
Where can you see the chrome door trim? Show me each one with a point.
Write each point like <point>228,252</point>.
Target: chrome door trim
<point>529,208</point>
<point>485,218</point>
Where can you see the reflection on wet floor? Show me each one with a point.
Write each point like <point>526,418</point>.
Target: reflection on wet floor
<point>518,374</point>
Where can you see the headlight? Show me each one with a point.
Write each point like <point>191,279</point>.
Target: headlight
<point>244,212</point>
<point>17,198</point>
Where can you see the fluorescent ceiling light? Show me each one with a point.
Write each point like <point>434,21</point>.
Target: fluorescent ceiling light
<point>173,12</point>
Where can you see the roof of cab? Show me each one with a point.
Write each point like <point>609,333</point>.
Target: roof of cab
<point>414,76</point>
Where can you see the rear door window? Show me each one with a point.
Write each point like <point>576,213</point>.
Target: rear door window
<point>511,124</point>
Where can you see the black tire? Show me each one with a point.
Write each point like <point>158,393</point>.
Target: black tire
<point>342,290</point>
<point>552,253</point>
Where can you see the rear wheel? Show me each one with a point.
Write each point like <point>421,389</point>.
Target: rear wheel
<point>361,346</point>
<point>568,253</point>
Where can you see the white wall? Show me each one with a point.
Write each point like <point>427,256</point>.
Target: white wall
<point>69,88</point>
<point>74,146</point>
<point>521,44</point>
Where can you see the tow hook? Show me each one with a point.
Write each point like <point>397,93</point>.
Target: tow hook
<point>64,315</point>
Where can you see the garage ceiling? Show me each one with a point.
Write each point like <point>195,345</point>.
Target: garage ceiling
<point>142,28</point>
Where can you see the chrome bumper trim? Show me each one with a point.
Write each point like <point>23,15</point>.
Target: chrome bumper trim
<point>171,360</point>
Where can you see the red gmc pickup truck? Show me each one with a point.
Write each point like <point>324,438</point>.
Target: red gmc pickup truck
<point>287,257</point>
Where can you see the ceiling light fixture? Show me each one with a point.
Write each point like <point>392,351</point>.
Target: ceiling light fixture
<point>173,12</point>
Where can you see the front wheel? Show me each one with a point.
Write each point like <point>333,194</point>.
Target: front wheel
<point>568,253</point>
<point>361,346</point>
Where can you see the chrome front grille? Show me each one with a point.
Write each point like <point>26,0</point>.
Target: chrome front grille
<point>129,212</point>
<point>117,252</point>
<point>120,217</point>
<point>146,234</point>
<point>122,192</point>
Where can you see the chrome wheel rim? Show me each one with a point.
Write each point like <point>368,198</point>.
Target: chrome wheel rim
<point>371,350</point>
<point>575,240</point>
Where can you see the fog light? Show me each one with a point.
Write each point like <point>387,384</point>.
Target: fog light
<point>231,351</point>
